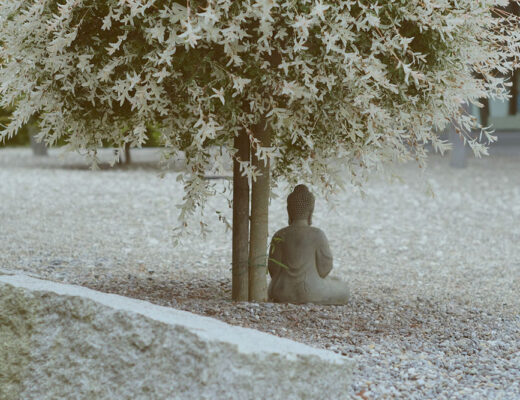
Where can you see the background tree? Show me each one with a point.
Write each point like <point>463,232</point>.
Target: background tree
<point>322,91</point>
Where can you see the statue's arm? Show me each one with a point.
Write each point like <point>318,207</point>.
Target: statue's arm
<point>275,256</point>
<point>323,256</point>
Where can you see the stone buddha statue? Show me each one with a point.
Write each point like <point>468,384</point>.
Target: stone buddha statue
<point>300,258</point>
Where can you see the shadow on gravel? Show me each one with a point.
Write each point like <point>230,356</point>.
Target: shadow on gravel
<point>340,328</point>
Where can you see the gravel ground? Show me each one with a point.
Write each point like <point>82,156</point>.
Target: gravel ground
<point>435,278</point>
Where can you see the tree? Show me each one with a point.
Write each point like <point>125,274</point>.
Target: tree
<point>322,91</point>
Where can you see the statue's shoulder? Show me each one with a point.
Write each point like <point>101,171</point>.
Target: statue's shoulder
<point>318,233</point>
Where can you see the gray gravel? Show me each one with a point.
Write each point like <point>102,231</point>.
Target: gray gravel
<point>432,258</point>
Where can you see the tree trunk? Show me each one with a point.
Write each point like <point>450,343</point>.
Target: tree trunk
<point>484,112</point>
<point>240,256</point>
<point>128,158</point>
<point>259,221</point>
<point>38,148</point>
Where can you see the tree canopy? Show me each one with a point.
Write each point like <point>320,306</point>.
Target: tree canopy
<point>345,85</point>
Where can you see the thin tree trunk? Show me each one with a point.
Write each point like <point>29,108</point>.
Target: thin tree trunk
<point>128,157</point>
<point>484,112</point>
<point>240,281</point>
<point>259,221</point>
<point>38,148</point>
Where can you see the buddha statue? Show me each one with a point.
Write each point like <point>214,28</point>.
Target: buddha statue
<point>300,259</point>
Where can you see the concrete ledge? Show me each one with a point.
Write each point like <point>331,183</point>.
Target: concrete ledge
<point>61,341</point>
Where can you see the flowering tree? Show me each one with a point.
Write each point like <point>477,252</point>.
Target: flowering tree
<point>320,90</point>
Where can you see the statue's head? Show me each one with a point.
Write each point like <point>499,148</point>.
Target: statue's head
<point>300,204</point>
